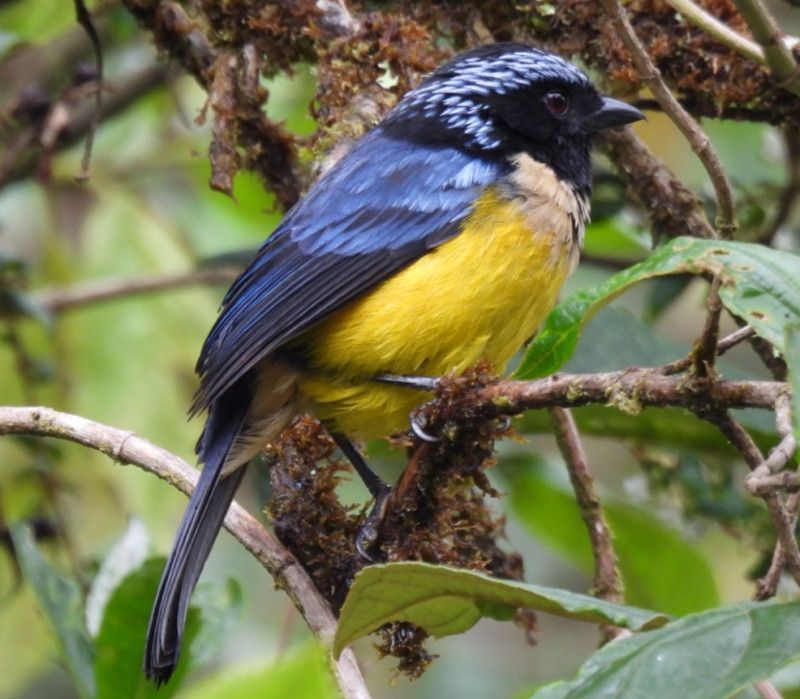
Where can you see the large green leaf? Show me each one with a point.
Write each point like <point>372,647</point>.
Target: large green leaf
<point>302,674</point>
<point>654,559</point>
<point>616,239</point>
<point>61,602</point>
<point>759,284</point>
<point>704,656</point>
<point>220,607</point>
<point>119,645</point>
<point>447,601</point>
<point>120,642</point>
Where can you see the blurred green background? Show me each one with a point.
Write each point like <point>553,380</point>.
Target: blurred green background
<point>687,535</point>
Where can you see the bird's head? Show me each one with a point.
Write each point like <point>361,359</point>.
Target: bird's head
<point>505,98</point>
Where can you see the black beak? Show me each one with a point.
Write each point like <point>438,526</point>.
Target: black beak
<point>612,113</point>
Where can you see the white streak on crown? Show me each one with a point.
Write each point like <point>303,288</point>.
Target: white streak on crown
<point>456,92</point>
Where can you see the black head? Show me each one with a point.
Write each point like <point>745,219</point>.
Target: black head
<point>501,99</point>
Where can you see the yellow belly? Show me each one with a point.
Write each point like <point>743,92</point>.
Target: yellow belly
<point>478,296</point>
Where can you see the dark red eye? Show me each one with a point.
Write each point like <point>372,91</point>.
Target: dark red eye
<point>556,102</point>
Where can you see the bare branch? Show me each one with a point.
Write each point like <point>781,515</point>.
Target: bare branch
<point>607,583</point>
<point>791,190</point>
<point>127,448</point>
<point>719,30</point>
<point>767,586</point>
<point>779,56</point>
<point>704,353</point>
<point>781,519</point>
<point>19,163</point>
<point>629,390</point>
<point>726,215</point>
<point>69,298</point>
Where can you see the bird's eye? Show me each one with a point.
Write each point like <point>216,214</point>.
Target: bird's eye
<point>556,102</point>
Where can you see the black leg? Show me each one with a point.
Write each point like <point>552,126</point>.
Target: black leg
<point>375,485</point>
<point>423,383</point>
<point>369,532</point>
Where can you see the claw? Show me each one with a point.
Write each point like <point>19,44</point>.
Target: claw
<point>368,533</point>
<point>418,430</point>
<point>503,424</point>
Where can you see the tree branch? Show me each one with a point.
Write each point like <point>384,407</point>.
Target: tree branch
<point>127,448</point>
<point>726,214</point>
<point>20,162</point>
<point>629,390</point>
<point>781,519</point>
<point>719,30</point>
<point>69,298</point>
<point>780,59</point>
<point>673,208</point>
<point>607,582</point>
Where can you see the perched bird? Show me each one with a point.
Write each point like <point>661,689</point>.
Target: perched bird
<point>442,238</point>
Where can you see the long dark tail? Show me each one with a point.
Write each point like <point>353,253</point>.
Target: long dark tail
<point>196,534</point>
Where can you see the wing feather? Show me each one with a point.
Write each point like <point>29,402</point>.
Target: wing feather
<point>382,206</point>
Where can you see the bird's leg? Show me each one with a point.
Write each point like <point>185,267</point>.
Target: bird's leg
<point>368,533</point>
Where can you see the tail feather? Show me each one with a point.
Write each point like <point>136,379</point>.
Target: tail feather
<point>196,534</point>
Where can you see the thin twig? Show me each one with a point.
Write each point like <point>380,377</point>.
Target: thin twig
<point>726,214</point>
<point>704,353</point>
<point>766,32</point>
<point>704,20</point>
<point>726,343</point>
<point>769,475</point>
<point>89,293</point>
<point>791,190</point>
<point>125,92</point>
<point>85,20</point>
<point>767,587</point>
<point>607,582</point>
<point>767,690</point>
<point>128,448</point>
<point>781,520</point>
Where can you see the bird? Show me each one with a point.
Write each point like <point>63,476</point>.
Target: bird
<point>440,239</point>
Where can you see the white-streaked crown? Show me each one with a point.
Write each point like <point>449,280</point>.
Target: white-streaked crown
<point>457,92</point>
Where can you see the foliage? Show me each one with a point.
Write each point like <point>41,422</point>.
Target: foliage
<point>689,537</point>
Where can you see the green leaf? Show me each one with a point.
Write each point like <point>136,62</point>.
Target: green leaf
<point>663,292</point>
<point>220,606</point>
<point>792,355</point>
<point>616,239</point>
<point>119,646</point>
<point>654,559</point>
<point>126,555</point>
<point>447,601</point>
<point>712,654</point>
<point>120,642</point>
<point>759,284</point>
<point>60,600</point>
<point>301,674</point>
<point>615,339</point>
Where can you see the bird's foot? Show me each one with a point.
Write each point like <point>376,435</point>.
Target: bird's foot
<point>369,532</point>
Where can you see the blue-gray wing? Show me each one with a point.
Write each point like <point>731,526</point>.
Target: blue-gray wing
<point>386,203</point>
